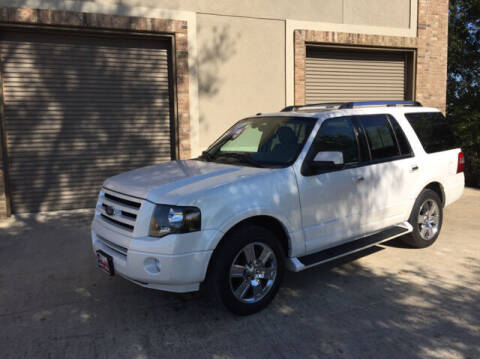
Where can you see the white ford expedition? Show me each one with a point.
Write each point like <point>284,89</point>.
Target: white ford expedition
<point>288,190</point>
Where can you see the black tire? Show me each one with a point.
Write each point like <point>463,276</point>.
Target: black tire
<point>416,239</point>
<point>221,286</point>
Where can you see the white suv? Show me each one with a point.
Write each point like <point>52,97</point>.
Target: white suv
<point>286,190</point>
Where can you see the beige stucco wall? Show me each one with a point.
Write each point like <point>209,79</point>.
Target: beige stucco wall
<point>392,13</point>
<point>241,64</point>
<point>388,13</point>
<point>319,10</point>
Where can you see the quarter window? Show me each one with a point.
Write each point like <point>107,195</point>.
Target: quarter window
<point>337,134</point>
<point>433,131</point>
<point>381,139</point>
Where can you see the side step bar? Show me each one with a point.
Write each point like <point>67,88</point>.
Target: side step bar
<point>298,264</point>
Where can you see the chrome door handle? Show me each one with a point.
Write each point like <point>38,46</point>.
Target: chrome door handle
<point>358,179</point>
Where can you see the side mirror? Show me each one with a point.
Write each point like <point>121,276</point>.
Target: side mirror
<point>329,157</point>
<point>323,161</point>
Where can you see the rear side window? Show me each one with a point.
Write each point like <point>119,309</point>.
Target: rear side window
<point>433,131</point>
<point>403,143</point>
<point>381,139</point>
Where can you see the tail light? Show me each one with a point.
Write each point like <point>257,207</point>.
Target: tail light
<point>461,162</point>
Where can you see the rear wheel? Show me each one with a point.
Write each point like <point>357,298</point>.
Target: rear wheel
<point>247,269</point>
<point>426,219</point>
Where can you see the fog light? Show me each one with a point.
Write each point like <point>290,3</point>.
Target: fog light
<point>152,265</point>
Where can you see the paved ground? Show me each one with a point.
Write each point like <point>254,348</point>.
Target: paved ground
<point>391,302</point>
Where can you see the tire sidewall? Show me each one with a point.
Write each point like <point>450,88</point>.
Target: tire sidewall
<point>417,240</point>
<point>219,275</point>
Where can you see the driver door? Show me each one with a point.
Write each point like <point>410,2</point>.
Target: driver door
<point>331,201</point>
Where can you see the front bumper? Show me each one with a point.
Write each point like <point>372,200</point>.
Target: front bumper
<point>150,262</point>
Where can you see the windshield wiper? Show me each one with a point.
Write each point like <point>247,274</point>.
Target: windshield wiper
<point>240,157</point>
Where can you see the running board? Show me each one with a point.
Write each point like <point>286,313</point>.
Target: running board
<point>298,264</point>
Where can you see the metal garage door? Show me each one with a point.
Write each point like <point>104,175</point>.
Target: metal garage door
<point>336,75</point>
<point>79,109</point>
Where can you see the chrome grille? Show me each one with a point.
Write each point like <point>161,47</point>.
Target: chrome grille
<point>118,209</point>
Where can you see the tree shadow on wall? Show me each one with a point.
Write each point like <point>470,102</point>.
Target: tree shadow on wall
<point>210,57</point>
<point>220,49</point>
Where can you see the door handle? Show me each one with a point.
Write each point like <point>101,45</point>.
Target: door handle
<point>358,179</point>
<point>414,168</point>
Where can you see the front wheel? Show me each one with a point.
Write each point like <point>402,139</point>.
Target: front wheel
<point>426,219</point>
<point>247,269</point>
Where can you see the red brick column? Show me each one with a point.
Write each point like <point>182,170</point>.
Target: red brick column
<point>432,53</point>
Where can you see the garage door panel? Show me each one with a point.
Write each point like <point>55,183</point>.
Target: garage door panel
<point>355,97</point>
<point>91,100</point>
<point>138,136</point>
<point>79,109</point>
<point>106,167</point>
<point>115,93</point>
<point>338,75</point>
<point>75,46</point>
<point>371,67</point>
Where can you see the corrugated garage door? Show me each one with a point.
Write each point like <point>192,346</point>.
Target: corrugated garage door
<point>79,109</point>
<point>336,75</point>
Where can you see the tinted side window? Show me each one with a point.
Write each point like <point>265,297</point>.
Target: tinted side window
<point>403,143</point>
<point>432,130</point>
<point>337,134</point>
<point>380,136</point>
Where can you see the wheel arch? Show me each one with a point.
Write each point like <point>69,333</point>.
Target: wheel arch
<point>267,221</point>
<point>271,223</point>
<point>438,189</point>
<point>433,185</point>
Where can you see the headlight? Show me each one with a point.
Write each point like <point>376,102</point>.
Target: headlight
<point>174,219</point>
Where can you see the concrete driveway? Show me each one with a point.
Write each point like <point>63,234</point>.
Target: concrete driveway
<point>388,302</point>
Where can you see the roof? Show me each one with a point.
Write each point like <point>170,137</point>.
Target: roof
<point>350,108</point>
<point>327,106</point>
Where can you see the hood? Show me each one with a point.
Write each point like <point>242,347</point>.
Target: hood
<point>169,182</point>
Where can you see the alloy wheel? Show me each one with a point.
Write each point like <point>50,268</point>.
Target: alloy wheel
<point>428,219</point>
<point>253,272</point>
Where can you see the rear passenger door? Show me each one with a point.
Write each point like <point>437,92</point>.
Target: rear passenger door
<point>390,173</point>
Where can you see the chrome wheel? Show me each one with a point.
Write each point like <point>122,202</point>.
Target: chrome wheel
<point>428,219</point>
<point>253,272</point>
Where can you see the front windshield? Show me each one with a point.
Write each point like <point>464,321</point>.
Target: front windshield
<point>261,142</point>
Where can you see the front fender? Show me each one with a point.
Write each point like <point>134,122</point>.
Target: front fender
<point>296,243</point>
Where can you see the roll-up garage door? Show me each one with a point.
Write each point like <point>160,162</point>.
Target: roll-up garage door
<point>79,109</point>
<point>338,75</point>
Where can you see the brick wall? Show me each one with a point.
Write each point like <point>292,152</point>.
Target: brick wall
<point>432,53</point>
<point>431,45</point>
<point>79,20</point>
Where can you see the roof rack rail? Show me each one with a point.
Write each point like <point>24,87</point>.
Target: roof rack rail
<point>347,105</point>
<point>320,106</point>
<point>380,103</point>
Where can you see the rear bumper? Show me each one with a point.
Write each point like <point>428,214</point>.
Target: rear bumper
<point>153,268</point>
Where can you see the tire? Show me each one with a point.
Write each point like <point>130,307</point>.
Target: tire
<point>426,219</point>
<point>240,285</point>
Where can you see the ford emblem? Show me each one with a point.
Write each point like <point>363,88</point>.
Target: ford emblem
<point>110,210</point>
